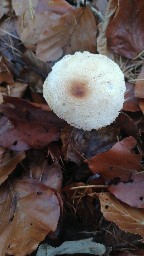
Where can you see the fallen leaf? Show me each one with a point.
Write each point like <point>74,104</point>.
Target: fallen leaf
<point>33,126</point>
<point>79,144</point>
<point>9,137</point>
<point>7,166</point>
<point>102,39</point>
<point>74,31</point>
<point>49,175</point>
<point>55,150</point>
<point>127,218</point>
<point>5,74</point>
<point>118,162</point>
<point>41,106</point>
<point>125,34</point>
<point>21,7</point>
<point>131,102</point>
<point>4,7</point>
<point>127,126</point>
<point>16,89</point>
<point>139,85</point>
<point>29,211</point>
<point>37,17</point>
<point>39,66</point>
<point>131,193</point>
<point>57,28</point>
<point>141,104</point>
<point>57,6</point>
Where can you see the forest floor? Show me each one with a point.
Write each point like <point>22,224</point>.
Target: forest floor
<point>65,190</point>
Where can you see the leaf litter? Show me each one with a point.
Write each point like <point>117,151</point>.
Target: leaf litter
<point>59,183</point>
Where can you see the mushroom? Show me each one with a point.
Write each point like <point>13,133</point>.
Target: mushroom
<point>86,90</point>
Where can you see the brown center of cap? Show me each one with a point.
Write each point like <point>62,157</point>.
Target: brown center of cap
<point>78,89</point>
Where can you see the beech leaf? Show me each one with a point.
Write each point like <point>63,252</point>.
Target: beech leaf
<point>132,192</point>
<point>5,74</point>
<point>33,126</point>
<point>29,210</point>
<point>125,34</point>
<point>74,31</point>
<point>131,103</point>
<point>127,218</point>
<point>139,86</point>
<point>7,167</point>
<point>57,28</point>
<point>118,162</point>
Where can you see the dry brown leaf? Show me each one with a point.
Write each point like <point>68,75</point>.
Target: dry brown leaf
<point>79,144</point>
<point>16,89</point>
<point>125,34</point>
<point>35,20</point>
<point>49,175</point>
<point>118,162</point>
<point>57,6</point>
<point>141,104</point>
<point>127,218</point>
<point>8,165</point>
<point>9,137</point>
<point>131,103</point>
<point>29,210</point>
<point>139,86</point>
<point>127,125</point>
<point>33,126</point>
<point>102,39</point>
<point>53,32</point>
<point>4,7</point>
<point>5,74</point>
<point>74,31</point>
<point>21,6</point>
<point>131,193</point>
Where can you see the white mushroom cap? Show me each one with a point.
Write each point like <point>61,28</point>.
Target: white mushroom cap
<point>86,90</point>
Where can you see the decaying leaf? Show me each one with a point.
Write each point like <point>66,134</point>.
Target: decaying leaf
<point>127,218</point>
<point>74,31</point>
<point>5,74</point>
<point>29,210</point>
<point>57,6</point>
<point>16,89</point>
<point>57,28</point>
<point>79,144</point>
<point>4,7</point>
<point>118,162</point>
<point>102,39</point>
<point>49,175</point>
<point>42,68</point>
<point>9,137</point>
<point>141,104</point>
<point>139,86</point>
<point>21,7</point>
<point>127,125</point>
<point>8,164</point>
<point>131,193</point>
<point>131,102</point>
<point>33,126</point>
<point>125,34</point>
